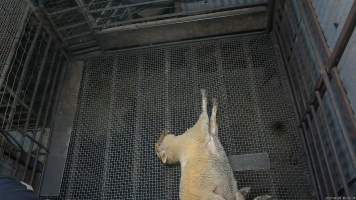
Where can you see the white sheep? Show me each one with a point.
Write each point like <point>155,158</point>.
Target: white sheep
<point>205,170</point>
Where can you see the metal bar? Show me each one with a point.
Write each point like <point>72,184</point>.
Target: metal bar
<point>78,35</point>
<point>60,90</point>
<point>90,3</point>
<point>286,63</point>
<point>37,143</point>
<point>349,110</point>
<point>315,22</point>
<point>182,19</point>
<point>53,68</point>
<point>72,26</point>
<point>62,11</point>
<point>271,9</point>
<point>343,38</point>
<point>317,127</point>
<point>14,95</point>
<point>131,21</point>
<point>339,117</point>
<point>58,82</point>
<point>13,47</point>
<point>168,44</point>
<point>86,50</point>
<point>31,138</point>
<point>33,98</point>
<point>312,133</point>
<point>53,25</point>
<point>333,148</point>
<point>191,15</point>
<point>51,95</point>
<point>83,45</point>
<point>303,86</point>
<point>19,87</point>
<point>43,15</point>
<point>45,89</point>
<point>129,5</point>
<point>115,10</point>
<point>84,11</point>
<point>23,73</point>
<point>11,139</point>
<point>310,163</point>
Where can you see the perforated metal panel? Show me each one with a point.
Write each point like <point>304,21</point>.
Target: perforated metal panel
<point>129,97</point>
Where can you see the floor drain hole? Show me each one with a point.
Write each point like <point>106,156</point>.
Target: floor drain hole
<point>279,127</point>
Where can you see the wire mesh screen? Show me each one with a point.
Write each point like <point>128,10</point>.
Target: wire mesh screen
<point>31,68</point>
<point>12,15</point>
<point>128,98</point>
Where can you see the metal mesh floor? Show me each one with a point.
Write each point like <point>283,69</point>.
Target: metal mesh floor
<point>128,98</point>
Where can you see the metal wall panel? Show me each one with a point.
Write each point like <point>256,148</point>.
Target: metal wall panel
<point>13,15</point>
<point>128,97</point>
<point>326,117</point>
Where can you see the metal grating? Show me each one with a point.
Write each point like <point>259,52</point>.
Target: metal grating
<point>129,97</point>
<point>31,66</point>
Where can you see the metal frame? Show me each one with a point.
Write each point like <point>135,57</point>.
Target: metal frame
<point>344,38</point>
<point>307,107</point>
<point>46,112</point>
<point>34,50</point>
<point>97,15</point>
<point>19,88</point>
<point>43,63</point>
<point>174,15</point>
<point>14,44</point>
<point>328,78</point>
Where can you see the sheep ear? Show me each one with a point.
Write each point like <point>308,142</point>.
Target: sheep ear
<point>163,157</point>
<point>245,191</point>
<point>264,197</point>
<point>162,136</point>
<point>157,149</point>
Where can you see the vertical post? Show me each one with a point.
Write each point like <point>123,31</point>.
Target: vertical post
<point>61,129</point>
<point>23,75</point>
<point>48,108</point>
<point>33,98</point>
<point>271,9</point>
<point>313,141</point>
<point>339,117</point>
<point>39,113</point>
<point>310,163</point>
<point>317,126</point>
<point>50,125</point>
<point>336,77</point>
<point>333,148</point>
<point>19,88</point>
